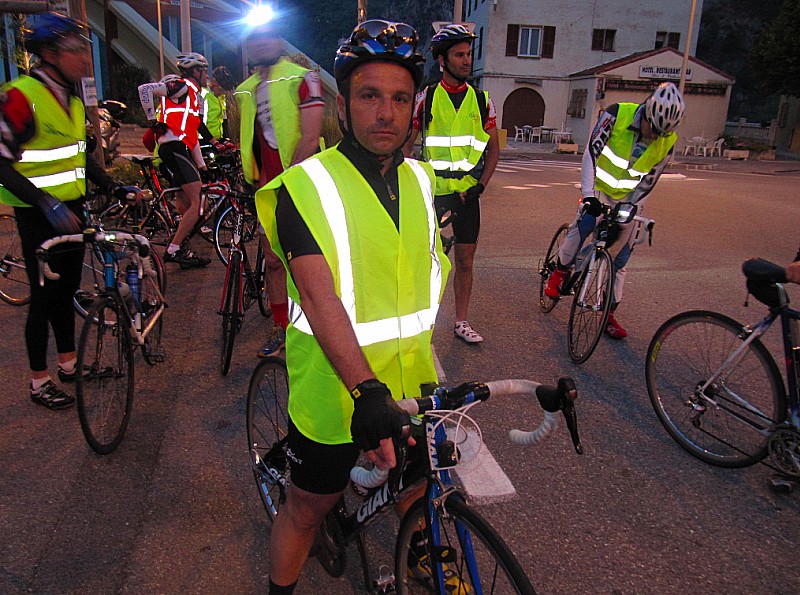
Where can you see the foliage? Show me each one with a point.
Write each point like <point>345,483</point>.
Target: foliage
<point>728,31</point>
<point>125,171</point>
<point>128,79</point>
<point>776,56</point>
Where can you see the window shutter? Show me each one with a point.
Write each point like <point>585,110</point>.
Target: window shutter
<point>548,41</point>
<point>512,40</point>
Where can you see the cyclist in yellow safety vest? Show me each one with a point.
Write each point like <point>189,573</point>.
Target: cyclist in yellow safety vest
<point>459,139</point>
<point>628,151</point>
<point>43,164</point>
<point>280,111</point>
<point>356,227</point>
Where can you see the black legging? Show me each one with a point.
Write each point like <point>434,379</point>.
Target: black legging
<point>52,302</point>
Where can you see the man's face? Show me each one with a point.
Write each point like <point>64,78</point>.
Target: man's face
<point>459,59</point>
<point>200,75</point>
<point>72,58</point>
<point>264,47</point>
<point>381,102</point>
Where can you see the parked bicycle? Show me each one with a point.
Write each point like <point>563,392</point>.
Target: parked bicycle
<point>591,279</point>
<point>244,283</point>
<point>128,312</point>
<point>15,288</point>
<point>457,539</point>
<point>718,391</point>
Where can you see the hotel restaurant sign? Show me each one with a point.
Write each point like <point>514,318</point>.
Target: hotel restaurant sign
<point>663,73</point>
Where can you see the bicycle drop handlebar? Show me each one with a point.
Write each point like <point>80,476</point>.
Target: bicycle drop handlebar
<point>552,399</point>
<point>92,235</point>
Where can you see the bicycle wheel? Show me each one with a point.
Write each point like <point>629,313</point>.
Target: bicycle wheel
<point>223,232</point>
<point>92,280</point>
<point>590,307</point>
<point>260,275</point>
<point>749,393</point>
<point>105,394</point>
<point>547,267</point>
<point>267,426</point>
<point>470,556</point>
<point>151,350</point>
<point>15,288</point>
<point>231,311</point>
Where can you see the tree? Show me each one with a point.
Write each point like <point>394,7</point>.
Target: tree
<point>776,55</point>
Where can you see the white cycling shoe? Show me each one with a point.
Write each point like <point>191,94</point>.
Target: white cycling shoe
<point>464,331</point>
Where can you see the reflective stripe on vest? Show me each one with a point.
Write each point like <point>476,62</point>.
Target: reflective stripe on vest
<point>614,174</point>
<point>176,115</point>
<point>374,331</point>
<point>54,159</point>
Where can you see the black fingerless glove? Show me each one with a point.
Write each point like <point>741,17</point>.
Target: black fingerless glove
<point>58,215</point>
<point>473,194</point>
<point>375,415</point>
<point>593,206</point>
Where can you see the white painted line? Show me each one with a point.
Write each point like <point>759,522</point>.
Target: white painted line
<point>515,188</point>
<point>562,183</point>
<point>539,185</point>
<point>483,479</point>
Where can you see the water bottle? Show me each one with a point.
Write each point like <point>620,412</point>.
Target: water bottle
<point>135,284</point>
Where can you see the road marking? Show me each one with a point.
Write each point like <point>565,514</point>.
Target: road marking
<point>516,188</point>
<point>483,479</point>
<point>538,185</point>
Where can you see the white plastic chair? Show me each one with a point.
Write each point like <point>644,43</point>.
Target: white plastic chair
<point>519,133</point>
<point>536,132</point>
<point>689,147</point>
<point>715,148</point>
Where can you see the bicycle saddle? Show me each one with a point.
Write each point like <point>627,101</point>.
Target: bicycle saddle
<point>762,275</point>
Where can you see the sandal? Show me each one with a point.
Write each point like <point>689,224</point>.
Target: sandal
<point>52,397</point>
<point>464,331</point>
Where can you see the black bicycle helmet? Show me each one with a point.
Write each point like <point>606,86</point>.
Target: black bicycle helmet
<point>50,29</point>
<point>379,40</point>
<point>448,36</point>
<point>224,78</point>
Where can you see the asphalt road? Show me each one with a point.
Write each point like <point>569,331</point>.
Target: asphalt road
<point>175,510</point>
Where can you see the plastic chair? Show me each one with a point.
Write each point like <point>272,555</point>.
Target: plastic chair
<point>536,132</point>
<point>519,133</point>
<point>715,148</point>
<point>689,147</point>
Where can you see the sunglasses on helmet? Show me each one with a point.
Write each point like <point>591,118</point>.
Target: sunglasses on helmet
<point>379,36</point>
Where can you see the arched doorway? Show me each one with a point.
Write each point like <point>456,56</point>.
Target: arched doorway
<point>523,106</point>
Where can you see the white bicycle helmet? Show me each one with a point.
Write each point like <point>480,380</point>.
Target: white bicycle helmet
<point>664,109</point>
<point>170,78</point>
<point>192,60</point>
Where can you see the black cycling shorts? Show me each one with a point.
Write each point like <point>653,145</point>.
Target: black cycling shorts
<point>467,221</point>
<point>319,468</point>
<point>178,159</point>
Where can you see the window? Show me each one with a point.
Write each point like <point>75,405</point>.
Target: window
<point>480,43</point>
<point>668,39</point>
<point>577,103</point>
<point>530,41</point>
<point>603,39</point>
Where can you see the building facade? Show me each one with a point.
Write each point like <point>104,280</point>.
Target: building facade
<point>542,61</point>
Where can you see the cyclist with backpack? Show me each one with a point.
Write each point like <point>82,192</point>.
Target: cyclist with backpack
<point>627,152</point>
<point>458,124</point>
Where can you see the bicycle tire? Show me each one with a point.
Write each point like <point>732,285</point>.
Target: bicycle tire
<point>493,569</point>
<point>682,355</point>
<point>15,289</point>
<point>223,232</point>
<point>151,350</point>
<point>105,395</point>
<point>547,267</point>
<point>92,281</point>
<point>267,428</point>
<point>260,275</point>
<point>230,311</point>
<point>590,307</point>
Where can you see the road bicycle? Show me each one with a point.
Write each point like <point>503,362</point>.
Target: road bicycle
<point>591,280</point>
<point>244,284</point>
<point>156,217</point>
<point>15,288</point>
<point>458,541</point>
<point>128,312</point>
<point>718,391</point>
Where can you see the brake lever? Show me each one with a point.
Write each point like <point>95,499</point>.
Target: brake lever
<point>568,394</point>
<point>401,449</point>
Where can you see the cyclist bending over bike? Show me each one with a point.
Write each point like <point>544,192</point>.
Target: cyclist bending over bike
<point>175,127</point>
<point>628,151</point>
<point>334,220</point>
